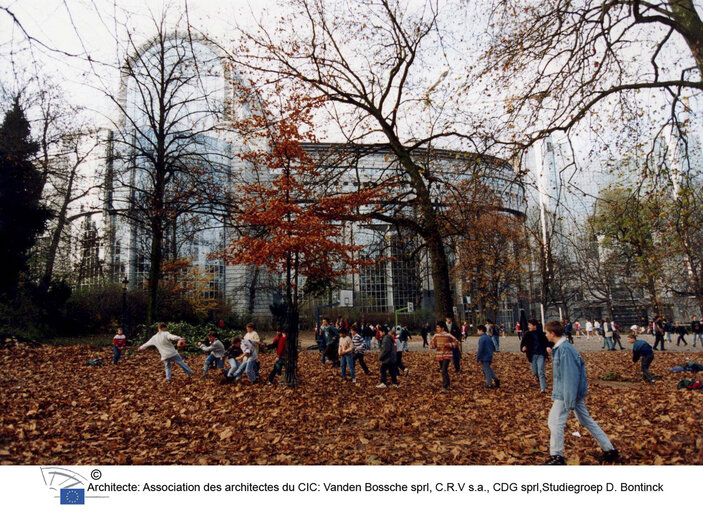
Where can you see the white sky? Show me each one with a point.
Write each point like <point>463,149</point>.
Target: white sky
<point>95,27</point>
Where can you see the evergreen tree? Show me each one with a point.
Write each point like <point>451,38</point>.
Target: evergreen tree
<point>22,216</point>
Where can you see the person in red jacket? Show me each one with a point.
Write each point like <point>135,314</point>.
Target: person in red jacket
<point>118,344</point>
<point>279,342</point>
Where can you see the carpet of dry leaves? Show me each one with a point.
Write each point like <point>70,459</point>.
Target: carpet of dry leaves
<point>56,410</point>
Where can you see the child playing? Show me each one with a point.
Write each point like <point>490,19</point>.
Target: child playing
<point>118,344</point>
<point>642,350</point>
<point>346,354</point>
<point>445,344</point>
<point>568,392</point>
<point>250,355</point>
<point>216,352</point>
<point>169,355</point>
<point>484,356</point>
<point>360,347</point>
<point>279,343</point>
<point>233,352</point>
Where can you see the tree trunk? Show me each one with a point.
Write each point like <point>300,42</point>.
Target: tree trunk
<point>292,323</point>
<point>58,231</point>
<point>155,268</point>
<point>443,303</point>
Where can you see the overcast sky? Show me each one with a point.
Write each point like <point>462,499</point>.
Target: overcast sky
<point>95,29</point>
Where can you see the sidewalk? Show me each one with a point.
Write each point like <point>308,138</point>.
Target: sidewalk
<point>512,343</point>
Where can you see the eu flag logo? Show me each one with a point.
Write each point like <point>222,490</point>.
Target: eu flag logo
<point>72,496</point>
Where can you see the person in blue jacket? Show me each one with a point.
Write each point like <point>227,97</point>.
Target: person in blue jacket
<point>484,356</point>
<point>641,350</point>
<point>569,390</point>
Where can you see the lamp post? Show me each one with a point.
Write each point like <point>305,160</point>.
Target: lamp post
<point>125,282</point>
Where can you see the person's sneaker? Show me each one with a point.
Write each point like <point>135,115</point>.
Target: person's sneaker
<point>395,385</point>
<point>354,381</point>
<point>555,460</point>
<point>610,456</point>
<point>497,382</point>
<point>268,383</point>
<point>405,372</point>
<point>381,385</point>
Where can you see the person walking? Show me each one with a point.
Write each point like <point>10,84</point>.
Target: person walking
<point>681,331</point>
<point>569,390</point>
<point>658,332</point>
<point>697,330</point>
<point>360,347</point>
<point>607,335</point>
<point>485,357</point>
<point>425,334</point>
<point>387,357</point>
<point>535,344</point>
<point>444,343</point>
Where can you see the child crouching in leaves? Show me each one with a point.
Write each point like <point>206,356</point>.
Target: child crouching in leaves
<point>233,352</point>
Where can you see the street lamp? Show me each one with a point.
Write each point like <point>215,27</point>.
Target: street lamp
<point>125,282</point>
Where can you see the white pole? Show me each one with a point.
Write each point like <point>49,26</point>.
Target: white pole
<point>541,309</point>
<point>561,317</point>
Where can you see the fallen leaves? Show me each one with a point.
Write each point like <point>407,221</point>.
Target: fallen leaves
<point>58,411</point>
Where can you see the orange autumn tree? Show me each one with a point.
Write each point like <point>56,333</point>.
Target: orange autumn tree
<point>289,224</point>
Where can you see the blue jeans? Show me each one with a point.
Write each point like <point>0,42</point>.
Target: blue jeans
<point>233,366</point>
<point>323,349</point>
<point>347,360</point>
<point>488,373</point>
<point>176,359</point>
<point>367,342</point>
<point>607,343</point>
<point>557,421</point>
<point>538,371</point>
<point>699,336</point>
<point>117,352</point>
<point>249,367</point>
<point>219,362</point>
<point>496,343</point>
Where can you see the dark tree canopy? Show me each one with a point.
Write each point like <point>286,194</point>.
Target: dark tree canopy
<point>22,216</point>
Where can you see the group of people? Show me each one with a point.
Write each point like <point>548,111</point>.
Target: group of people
<point>569,387</point>
<point>242,354</point>
<point>662,328</point>
<point>346,347</point>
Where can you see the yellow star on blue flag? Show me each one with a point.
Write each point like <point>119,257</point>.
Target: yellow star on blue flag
<point>72,496</point>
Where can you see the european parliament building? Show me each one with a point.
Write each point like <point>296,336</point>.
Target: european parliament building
<point>196,234</point>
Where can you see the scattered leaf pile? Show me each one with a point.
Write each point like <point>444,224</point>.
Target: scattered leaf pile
<point>615,376</point>
<point>57,410</point>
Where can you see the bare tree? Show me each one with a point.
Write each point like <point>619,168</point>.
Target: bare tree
<point>370,60</point>
<point>170,166</point>
<point>559,60</point>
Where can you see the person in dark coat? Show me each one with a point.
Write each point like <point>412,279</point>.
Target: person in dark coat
<point>485,357</point>
<point>536,347</point>
<point>387,358</point>
<point>425,334</point>
<point>641,350</point>
<point>453,329</point>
